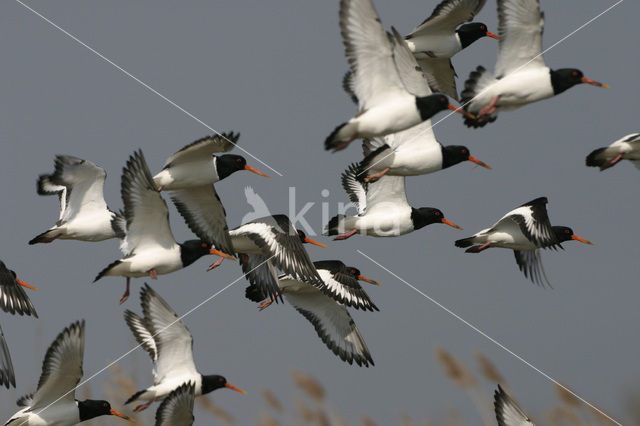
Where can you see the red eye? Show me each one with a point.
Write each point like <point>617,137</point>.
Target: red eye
<point>204,244</point>
<point>239,160</point>
<point>567,231</point>
<point>220,379</point>
<point>464,151</point>
<point>483,27</point>
<point>575,74</point>
<point>105,404</point>
<point>437,213</point>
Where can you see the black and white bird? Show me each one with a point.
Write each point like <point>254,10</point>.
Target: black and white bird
<point>189,175</point>
<point>508,412</point>
<point>383,210</point>
<point>436,40</point>
<point>148,245</point>
<point>270,243</point>
<point>326,308</point>
<point>524,230</point>
<point>169,343</point>
<point>54,402</point>
<point>84,214</point>
<point>13,300</point>
<point>521,76</point>
<point>384,103</point>
<point>626,148</point>
<point>177,408</point>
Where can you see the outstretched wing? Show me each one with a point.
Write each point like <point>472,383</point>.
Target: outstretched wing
<point>355,187</point>
<point>13,298</point>
<point>508,412</point>
<point>142,334</point>
<point>203,149</point>
<point>7,376</point>
<point>177,407</point>
<point>261,274</point>
<point>530,264</point>
<point>447,16</point>
<point>440,75</point>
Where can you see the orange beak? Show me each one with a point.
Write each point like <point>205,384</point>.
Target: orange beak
<point>582,240</point>
<point>122,416</point>
<point>315,243</point>
<point>256,171</point>
<point>368,280</point>
<point>461,111</point>
<point>227,385</point>
<point>448,222</point>
<point>23,284</point>
<point>492,35</point>
<point>479,163</point>
<point>221,254</point>
<point>594,83</point>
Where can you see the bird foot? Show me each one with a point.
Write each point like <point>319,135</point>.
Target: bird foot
<point>215,264</point>
<point>374,177</point>
<point>339,146</point>
<point>611,162</point>
<point>266,303</point>
<point>144,406</point>
<point>153,274</point>
<point>478,249</point>
<point>346,235</point>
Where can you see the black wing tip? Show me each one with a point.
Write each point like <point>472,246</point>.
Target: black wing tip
<point>540,202</point>
<point>471,83</point>
<point>14,300</point>
<point>75,328</point>
<point>592,159</point>
<point>42,182</point>
<point>331,142</point>
<point>24,400</point>
<point>347,86</point>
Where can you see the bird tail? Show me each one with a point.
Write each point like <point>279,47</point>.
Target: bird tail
<point>134,397</point>
<point>336,225</point>
<point>46,237</point>
<point>339,136</point>
<point>107,269</point>
<point>465,242</point>
<point>477,81</point>
<point>594,159</point>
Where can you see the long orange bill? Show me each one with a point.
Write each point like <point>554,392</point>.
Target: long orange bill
<point>582,240</point>
<point>479,163</point>
<point>227,385</point>
<point>122,416</point>
<point>594,83</point>
<point>256,171</point>
<point>221,254</point>
<point>448,222</point>
<point>368,280</point>
<point>315,243</point>
<point>492,35</point>
<point>461,111</point>
<point>23,284</point>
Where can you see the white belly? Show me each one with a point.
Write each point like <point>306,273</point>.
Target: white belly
<point>438,46</point>
<point>55,415</point>
<point>162,390</point>
<point>164,261</point>
<point>186,175</point>
<point>391,223</point>
<point>509,240</point>
<point>391,117</point>
<point>93,227</point>
<point>413,162</point>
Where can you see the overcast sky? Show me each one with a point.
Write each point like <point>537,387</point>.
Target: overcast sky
<point>272,71</point>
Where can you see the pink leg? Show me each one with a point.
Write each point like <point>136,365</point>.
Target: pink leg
<point>478,249</point>
<point>144,406</point>
<point>125,296</point>
<point>430,53</point>
<point>374,177</point>
<point>160,188</point>
<point>339,146</point>
<point>215,264</point>
<point>153,274</point>
<point>611,162</point>
<point>266,303</point>
<point>489,108</point>
<point>346,235</point>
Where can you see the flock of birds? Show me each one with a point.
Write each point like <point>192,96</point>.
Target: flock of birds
<point>398,83</point>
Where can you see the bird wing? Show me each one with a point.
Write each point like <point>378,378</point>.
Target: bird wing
<point>345,289</point>
<point>173,339</point>
<point>440,75</point>
<point>355,187</point>
<point>530,264</point>
<point>142,333</point>
<point>202,210</point>
<point>203,149</point>
<point>520,25</point>
<point>447,16</point>
<point>177,407</point>
<point>408,69</point>
<point>13,298</point>
<point>61,368</point>
<point>261,273</point>
<point>7,376</point>
<point>533,220</point>
<point>385,193</point>
<point>334,325</point>
<point>46,187</point>
<point>369,51</point>
<point>508,412</point>
<point>145,211</point>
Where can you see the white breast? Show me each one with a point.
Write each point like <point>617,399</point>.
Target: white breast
<point>440,45</point>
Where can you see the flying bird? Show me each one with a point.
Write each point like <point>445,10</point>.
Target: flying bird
<point>148,245</point>
<point>326,308</point>
<point>524,230</point>
<point>84,214</point>
<point>383,209</point>
<point>626,148</point>
<point>54,402</point>
<point>177,408</point>
<point>436,40</point>
<point>385,105</point>
<point>521,76</point>
<point>169,343</point>
<point>13,300</point>
<point>508,412</point>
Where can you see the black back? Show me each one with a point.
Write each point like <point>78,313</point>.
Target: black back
<point>91,408</point>
<point>212,382</point>
<point>425,216</point>
<point>564,79</point>
<point>192,250</point>
<point>469,33</point>
<point>228,164</point>
<point>428,106</point>
<point>332,266</point>
<point>454,154</point>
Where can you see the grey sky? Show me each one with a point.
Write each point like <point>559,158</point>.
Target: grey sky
<point>272,71</point>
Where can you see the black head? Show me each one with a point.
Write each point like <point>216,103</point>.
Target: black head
<point>228,164</point>
<point>454,154</point>
<point>564,233</point>
<point>427,215</point>
<point>432,104</point>
<point>469,33</point>
<point>91,408</point>
<point>354,272</point>
<point>566,78</point>
<point>214,381</point>
<point>192,250</point>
